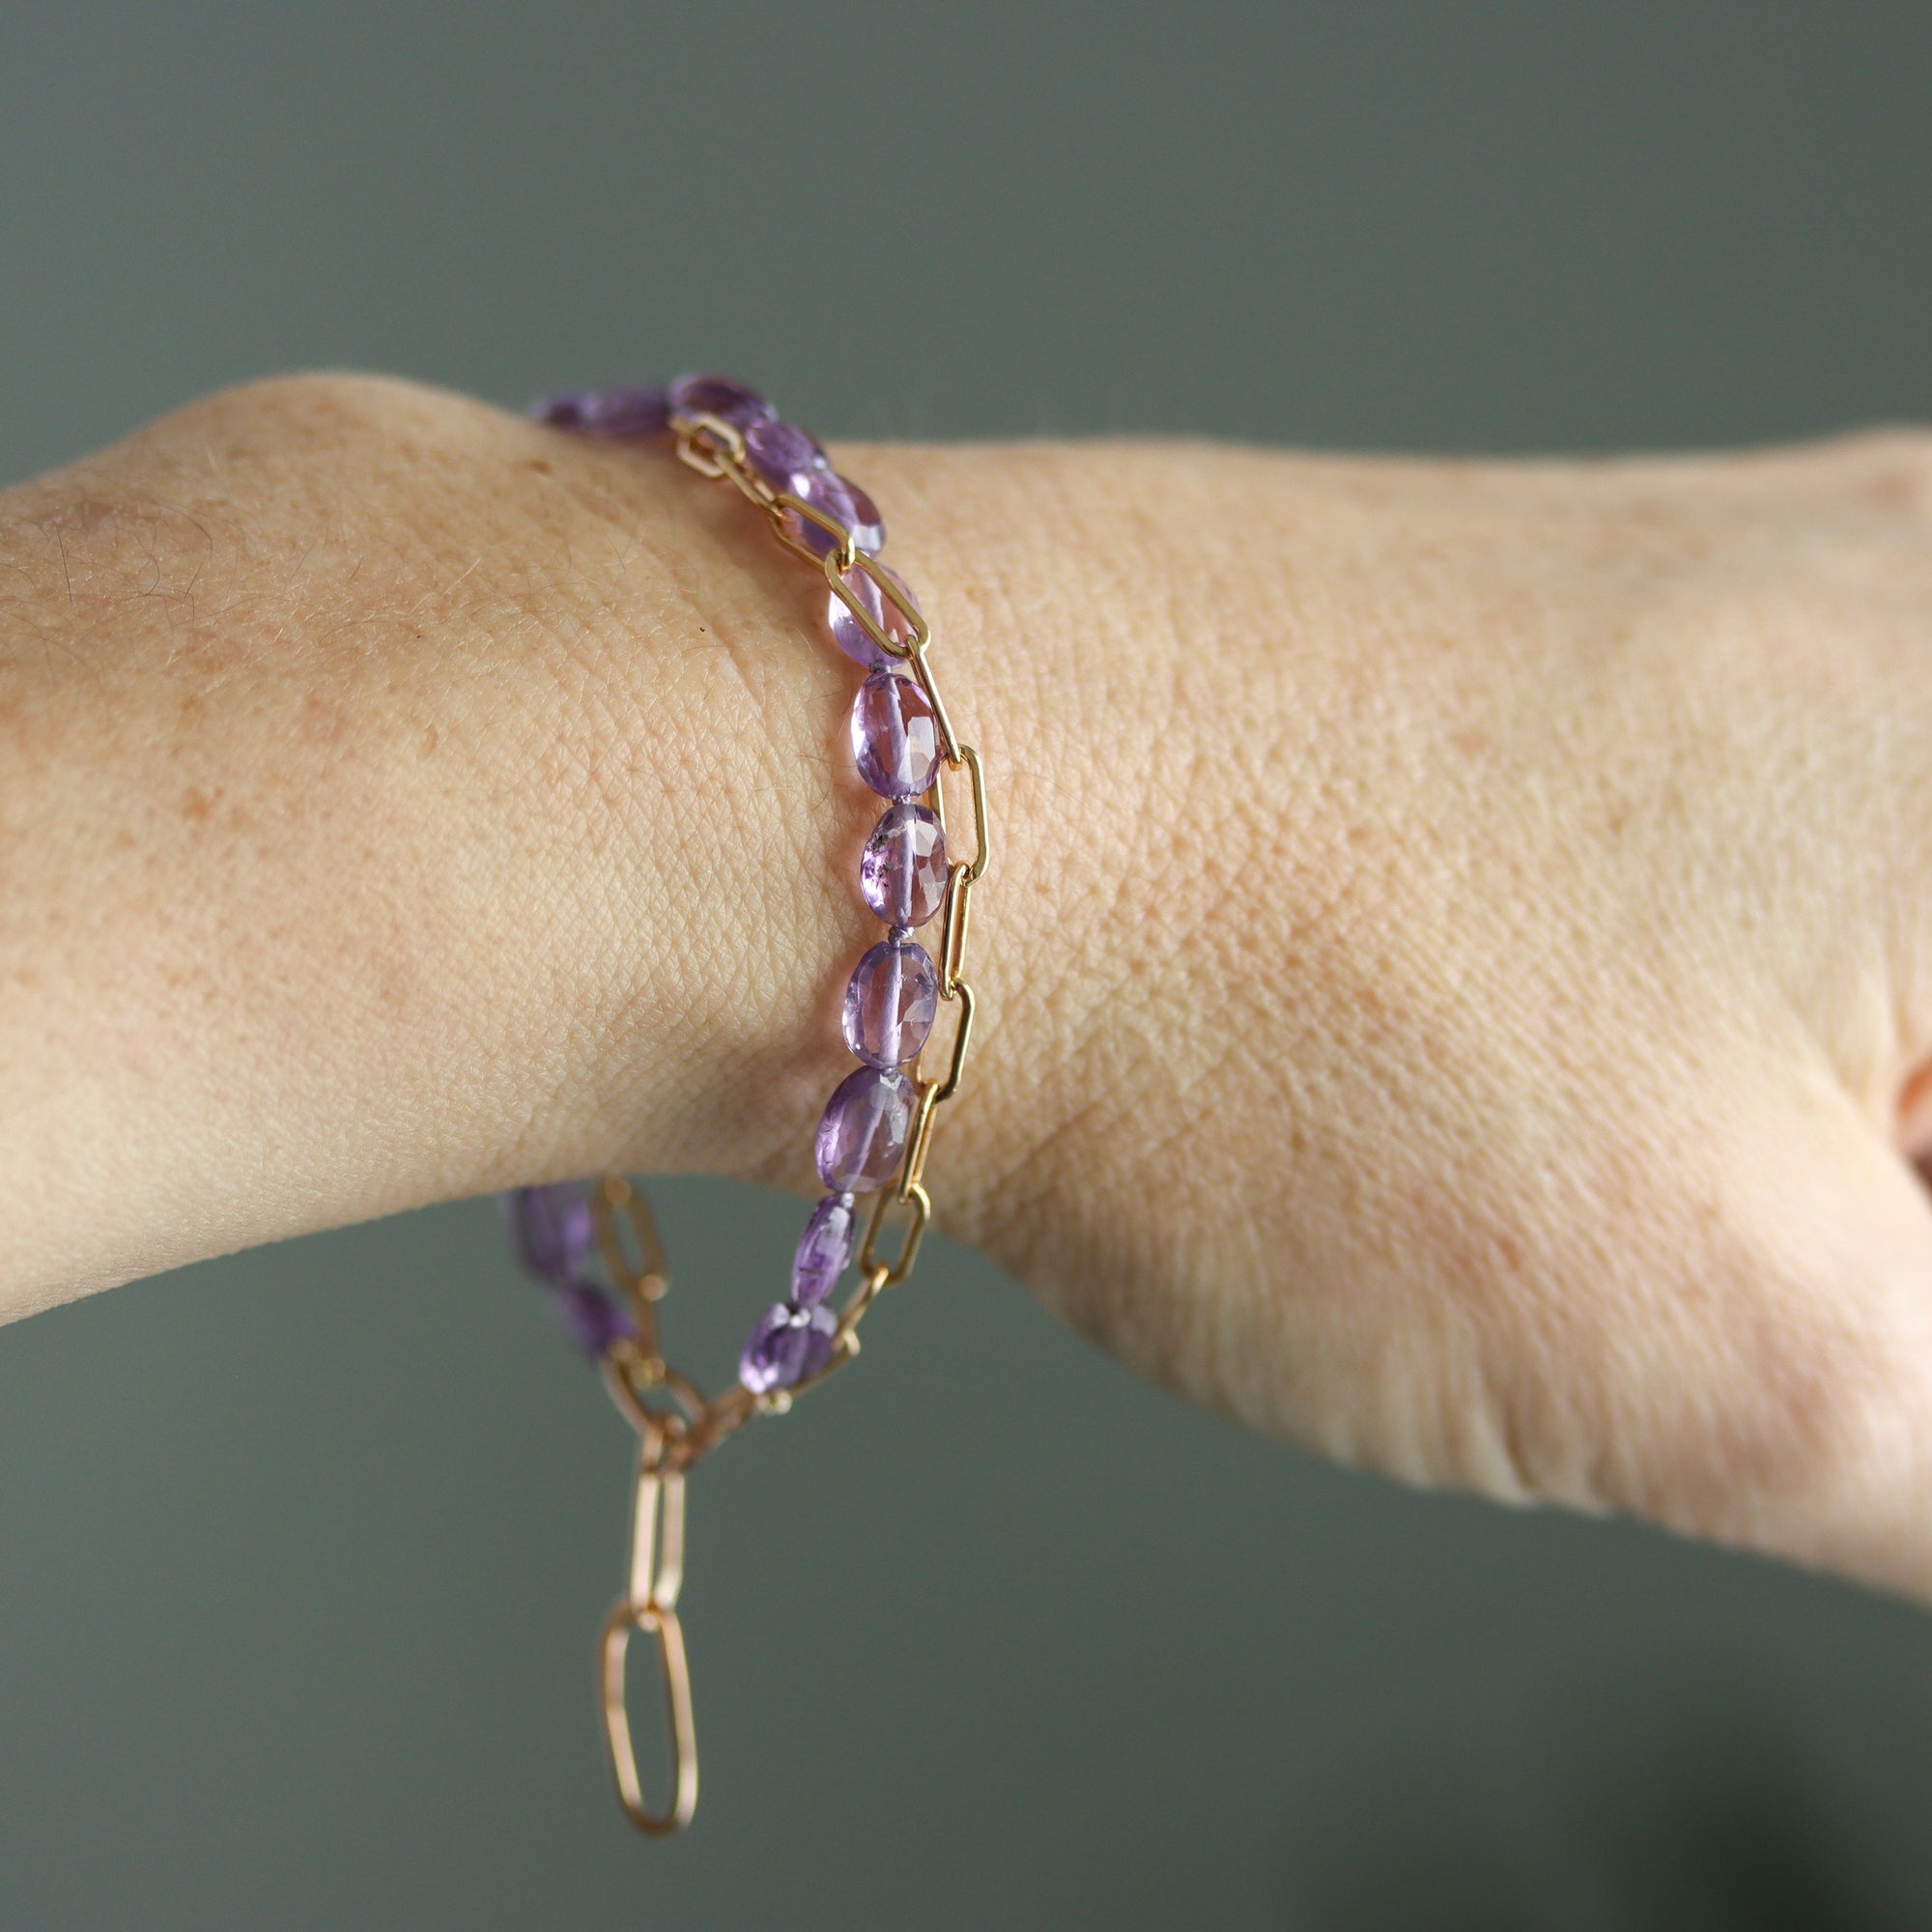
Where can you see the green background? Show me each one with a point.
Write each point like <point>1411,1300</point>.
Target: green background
<point>301,1551</point>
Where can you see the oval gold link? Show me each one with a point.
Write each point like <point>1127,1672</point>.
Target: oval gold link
<point>723,1416</point>
<point>715,448</point>
<point>646,1279</point>
<point>688,1395</point>
<point>932,1093</point>
<point>836,563</point>
<point>921,669</point>
<point>647,1373</point>
<point>693,455</point>
<point>845,1337</point>
<point>921,1203</point>
<point>887,1198</point>
<point>623,1391</point>
<point>952,934</point>
<point>961,1041</point>
<point>935,799</point>
<point>631,1377</point>
<point>783,501</point>
<point>981,827</point>
<point>656,1534</point>
<point>674,1670</point>
<point>643,1344</point>
<point>920,1140</point>
<point>706,441</point>
<point>749,484</point>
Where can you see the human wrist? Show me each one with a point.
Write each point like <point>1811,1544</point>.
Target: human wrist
<point>477,787</point>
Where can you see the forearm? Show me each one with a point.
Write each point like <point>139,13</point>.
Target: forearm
<point>402,802</point>
<point>1456,978</point>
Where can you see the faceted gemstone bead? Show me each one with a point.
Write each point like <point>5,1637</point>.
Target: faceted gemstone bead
<point>631,409</point>
<point>788,1346</point>
<point>895,735</point>
<point>868,525</point>
<point>782,454</point>
<point>595,1319</point>
<point>719,396</point>
<point>824,1249</point>
<point>861,1135</point>
<point>844,504</point>
<point>550,1229</point>
<point>890,615</point>
<point>902,869</point>
<point>890,1003</point>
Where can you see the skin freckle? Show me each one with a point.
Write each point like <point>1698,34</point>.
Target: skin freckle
<point>322,720</point>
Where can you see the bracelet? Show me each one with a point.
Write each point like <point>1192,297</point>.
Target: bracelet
<point>876,1129</point>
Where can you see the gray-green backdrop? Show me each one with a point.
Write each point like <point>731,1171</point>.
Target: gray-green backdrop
<point>300,1552</point>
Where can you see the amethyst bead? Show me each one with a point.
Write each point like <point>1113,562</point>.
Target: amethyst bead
<point>862,1133</point>
<point>890,1003</point>
<point>719,396</point>
<point>844,502</point>
<point>550,1229</point>
<point>868,528</point>
<point>895,735</point>
<point>902,869</point>
<point>783,455</point>
<point>788,1346</point>
<point>894,615</point>
<point>595,1319</point>
<point>824,1249</point>
<point>630,410</point>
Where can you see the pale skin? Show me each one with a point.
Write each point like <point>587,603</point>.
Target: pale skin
<point>1457,971</point>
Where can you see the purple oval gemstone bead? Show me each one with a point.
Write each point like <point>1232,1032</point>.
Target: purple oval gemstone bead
<point>549,1228</point>
<point>782,454</point>
<point>895,735</point>
<point>595,1319</point>
<point>719,396</point>
<point>892,615</point>
<point>848,508</point>
<point>788,1346</point>
<point>890,1003</point>
<point>861,1135</point>
<point>902,869</point>
<point>632,409</point>
<point>868,525</point>
<point>824,1249</point>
